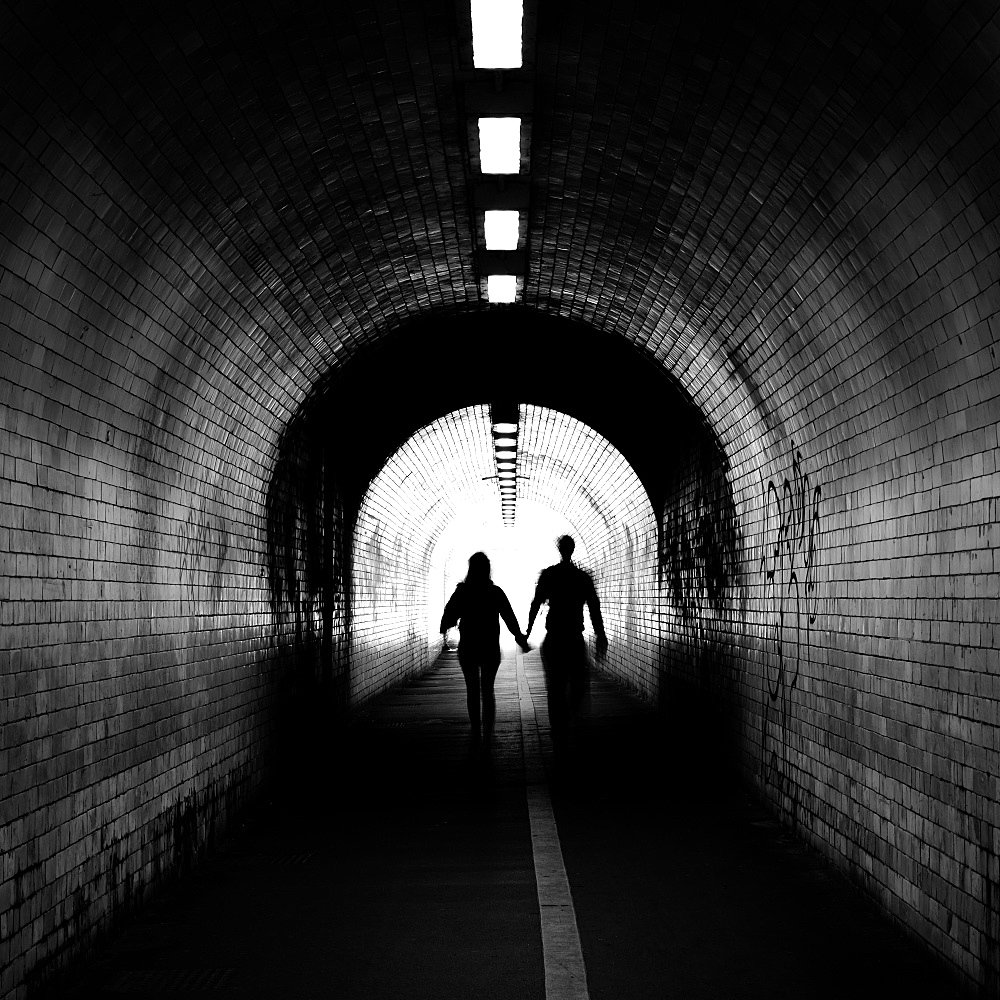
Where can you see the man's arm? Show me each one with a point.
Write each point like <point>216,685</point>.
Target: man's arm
<point>536,602</point>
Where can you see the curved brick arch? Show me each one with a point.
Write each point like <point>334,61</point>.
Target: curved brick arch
<point>791,208</point>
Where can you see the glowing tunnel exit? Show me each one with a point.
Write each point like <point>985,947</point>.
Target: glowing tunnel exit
<point>435,502</point>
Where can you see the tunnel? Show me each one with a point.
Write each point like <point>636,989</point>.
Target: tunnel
<point>253,353</point>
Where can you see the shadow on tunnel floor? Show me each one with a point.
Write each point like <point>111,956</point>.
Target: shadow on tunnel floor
<point>399,862</point>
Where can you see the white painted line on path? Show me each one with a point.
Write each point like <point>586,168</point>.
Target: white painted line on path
<point>565,973</point>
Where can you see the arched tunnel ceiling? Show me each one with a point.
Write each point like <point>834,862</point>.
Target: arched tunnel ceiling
<point>222,203</point>
<point>509,356</point>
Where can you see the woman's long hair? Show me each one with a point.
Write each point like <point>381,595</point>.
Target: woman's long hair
<point>479,569</point>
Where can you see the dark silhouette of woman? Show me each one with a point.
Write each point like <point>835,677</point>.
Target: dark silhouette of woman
<point>476,606</point>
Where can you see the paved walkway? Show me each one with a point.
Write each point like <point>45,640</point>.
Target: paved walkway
<point>423,868</point>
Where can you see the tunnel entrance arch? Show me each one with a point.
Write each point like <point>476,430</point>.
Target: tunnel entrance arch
<point>365,409</point>
<point>436,500</point>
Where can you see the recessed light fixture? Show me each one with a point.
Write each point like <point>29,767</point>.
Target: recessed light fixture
<point>501,230</point>
<point>500,145</point>
<point>506,453</point>
<point>505,442</point>
<point>504,428</point>
<point>501,288</point>
<point>496,33</point>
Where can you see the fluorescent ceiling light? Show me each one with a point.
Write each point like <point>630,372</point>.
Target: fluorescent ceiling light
<point>500,145</point>
<point>496,33</point>
<point>504,428</point>
<point>505,442</point>
<point>501,287</point>
<point>506,454</point>
<point>501,230</point>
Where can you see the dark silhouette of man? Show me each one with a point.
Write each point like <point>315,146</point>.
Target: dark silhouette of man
<point>477,605</point>
<point>566,588</point>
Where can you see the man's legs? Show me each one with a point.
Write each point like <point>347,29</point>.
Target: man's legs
<point>554,664</point>
<point>579,675</point>
<point>564,660</point>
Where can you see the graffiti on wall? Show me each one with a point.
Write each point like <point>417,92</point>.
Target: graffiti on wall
<point>383,572</point>
<point>295,511</point>
<point>701,540</point>
<point>204,544</point>
<point>789,547</point>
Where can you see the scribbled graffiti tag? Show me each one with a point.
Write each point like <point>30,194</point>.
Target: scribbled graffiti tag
<point>789,547</point>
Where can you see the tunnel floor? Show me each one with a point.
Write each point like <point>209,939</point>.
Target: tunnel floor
<point>407,871</point>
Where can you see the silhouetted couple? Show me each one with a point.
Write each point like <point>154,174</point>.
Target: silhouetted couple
<point>478,604</point>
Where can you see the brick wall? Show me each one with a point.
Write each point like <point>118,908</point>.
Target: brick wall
<point>702,608</point>
<point>389,610</point>
<point>139,671</point>
<point>845,667</point>
<point>856,654</point>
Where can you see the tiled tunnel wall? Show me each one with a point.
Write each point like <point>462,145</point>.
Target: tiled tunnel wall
<point>307,563</point>
<point>390,629</point>
<point>702,606</point>
<point>861,642</point>
<point>842,653</point>
<point>140,678</point>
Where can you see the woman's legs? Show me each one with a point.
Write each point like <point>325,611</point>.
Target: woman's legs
<point>470,670</point>
<point>479,667</point>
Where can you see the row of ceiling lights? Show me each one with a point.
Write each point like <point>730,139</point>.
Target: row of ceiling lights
<point>505,450</point>
<point>498,45</point>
